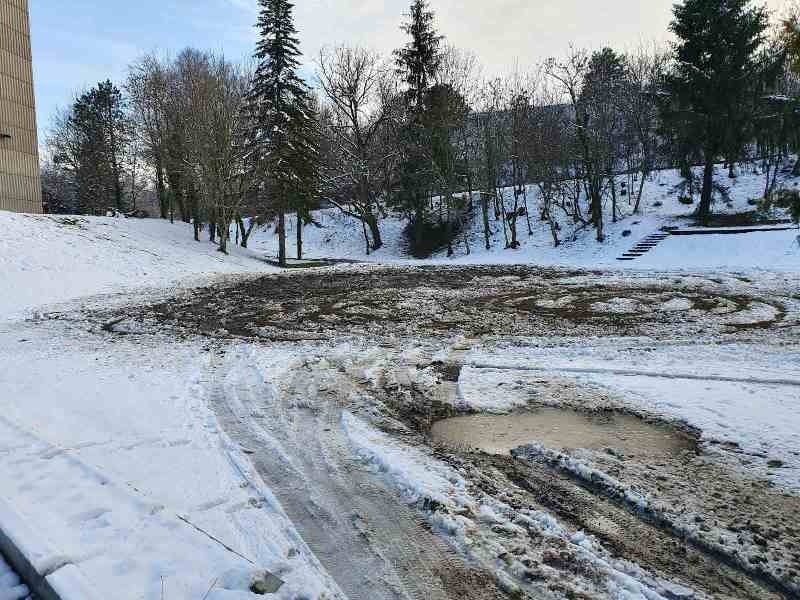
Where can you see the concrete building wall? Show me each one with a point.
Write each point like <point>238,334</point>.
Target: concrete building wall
<point>20,189</point>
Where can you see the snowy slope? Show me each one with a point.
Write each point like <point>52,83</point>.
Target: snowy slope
<point>342,237</point>
<point>48,259</point>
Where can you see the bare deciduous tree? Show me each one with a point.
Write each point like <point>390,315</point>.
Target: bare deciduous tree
<point>353,80</point>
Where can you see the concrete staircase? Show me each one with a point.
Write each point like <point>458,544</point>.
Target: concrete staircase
<point>643,247</point>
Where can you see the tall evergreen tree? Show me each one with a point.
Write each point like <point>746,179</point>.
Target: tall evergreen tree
<point>417,63</point>
<point>717,65</point>
<point>419,60</point>
<point>91,142</point>
<point>279,121</point>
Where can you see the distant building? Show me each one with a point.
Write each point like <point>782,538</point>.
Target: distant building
<point>20,189</point>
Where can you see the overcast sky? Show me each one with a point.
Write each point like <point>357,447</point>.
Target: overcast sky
<point>77,43</point>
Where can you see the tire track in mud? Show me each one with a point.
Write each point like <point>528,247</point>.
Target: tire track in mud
<point>621,531</point>
<point>627,534</point>
<point>374,546</point>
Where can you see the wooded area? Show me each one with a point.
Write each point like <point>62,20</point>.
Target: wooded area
<point>425,134</point>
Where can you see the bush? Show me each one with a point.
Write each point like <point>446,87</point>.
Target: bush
<point>789,200</point>
<point>436,236</point>
<point>687,200</point>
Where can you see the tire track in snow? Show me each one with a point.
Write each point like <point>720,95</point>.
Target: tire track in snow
<point>374,546</point>
<point>636,373</point>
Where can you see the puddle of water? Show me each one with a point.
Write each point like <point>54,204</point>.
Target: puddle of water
<point>560,429</point>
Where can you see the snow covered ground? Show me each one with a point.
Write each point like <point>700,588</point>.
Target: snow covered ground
<point>111,454</point>
<point>46,259</point>
<point>342,237</point>
<point>112,451</point>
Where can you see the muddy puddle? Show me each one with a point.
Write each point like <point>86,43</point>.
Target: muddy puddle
<point>560,429</point>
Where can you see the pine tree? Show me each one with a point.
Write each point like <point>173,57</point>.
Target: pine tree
<point>718,65</point>
<point>90,141</point>
<point>280,123</point>
<point>417,62</point>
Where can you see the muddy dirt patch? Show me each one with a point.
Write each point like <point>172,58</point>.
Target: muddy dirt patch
<point>466,301</point>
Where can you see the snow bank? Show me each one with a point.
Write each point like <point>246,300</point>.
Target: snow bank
<point>775,250</point>
<point>49,259</point>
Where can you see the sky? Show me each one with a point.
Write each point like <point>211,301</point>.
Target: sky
<point>77,43</point>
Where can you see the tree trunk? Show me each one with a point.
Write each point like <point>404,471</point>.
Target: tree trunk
<point>212,232</point>
<point>527,212</point>
<point>282,238</point>
<point>366,235</point>
<point>419,228</point>
<point>299,236</point>
<point>246,231</point>
<point>374,230</point>
<point>485,211</point>
<point>704,210</point>
<point>160,188</point>
<point>224,234</point>
<point>639,196</point>
<point>613,200</point>
<point>597,210</point>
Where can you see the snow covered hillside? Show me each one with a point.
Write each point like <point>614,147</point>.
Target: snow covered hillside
<point>48,259</point>
<point>342,237</point>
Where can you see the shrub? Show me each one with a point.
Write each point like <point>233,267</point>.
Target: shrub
<point>790,200</point>
<point>436,235</point>
<point>686,200</point>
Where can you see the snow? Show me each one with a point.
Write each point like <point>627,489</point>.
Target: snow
<point>339,236</point>
<point>112,456</point>
<point>418,479</point>
<point>53,259</point>
<point>111,453</point>
<point>775,250</point>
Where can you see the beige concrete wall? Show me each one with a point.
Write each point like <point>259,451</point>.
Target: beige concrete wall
<point>20,189</point>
